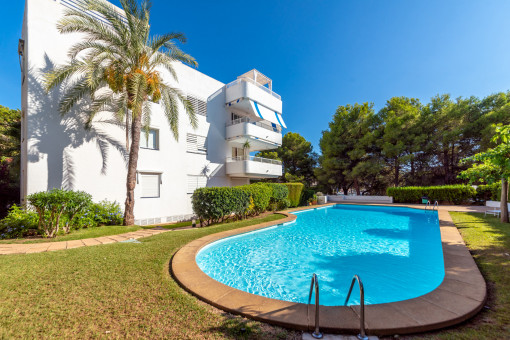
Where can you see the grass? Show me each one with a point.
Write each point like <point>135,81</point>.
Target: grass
<point>489,243</point>
<point>80,234</point>
<point>120,290</point>
<point>169,226</point>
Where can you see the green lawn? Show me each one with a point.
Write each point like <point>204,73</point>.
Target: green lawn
<point>120,290</point>
<point>489,242</point>
<point>80,234</point>
<point>169,226</point>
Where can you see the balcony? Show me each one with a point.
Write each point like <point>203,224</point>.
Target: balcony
<point>241,91</point>
<point>260,135</point>
<point>253,167</point>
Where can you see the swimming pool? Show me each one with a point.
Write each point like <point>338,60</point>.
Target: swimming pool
<point>396,251</point>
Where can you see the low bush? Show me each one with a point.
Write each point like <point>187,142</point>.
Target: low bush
<point>98,214</point>
<point>260,196</point>
<point>214,204</point>
<point>58,207</point>
<point>18,223</point>
<point>295,191</point>
<point>446,193</point>
<point>279,196</point>
<point>488,192</point>
<point>308,193</point>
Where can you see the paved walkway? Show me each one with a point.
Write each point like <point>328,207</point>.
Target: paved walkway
<point>6,249</point>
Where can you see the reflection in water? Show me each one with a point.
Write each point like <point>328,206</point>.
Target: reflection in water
<point>396,251</point>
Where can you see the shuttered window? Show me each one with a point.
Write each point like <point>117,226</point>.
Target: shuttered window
<point>195,182</point>
<point>149,184</point>
<point>196,143</point>
<point>199,105</point>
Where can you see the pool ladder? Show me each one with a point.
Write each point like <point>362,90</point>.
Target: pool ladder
<point>315,283</point>
<point>436,205</point>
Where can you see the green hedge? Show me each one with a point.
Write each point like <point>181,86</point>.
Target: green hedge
<point>215,204</point>
<point>260,197</point>
<point>445,193</point>
<point>295,191</point>
<point>488,192</point>
<point>279,196</point>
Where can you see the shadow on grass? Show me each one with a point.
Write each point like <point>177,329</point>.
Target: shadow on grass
<point>489,242</point>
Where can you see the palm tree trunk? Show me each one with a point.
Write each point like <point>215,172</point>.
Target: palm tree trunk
<point>136,127</point>
<point>504,200</point>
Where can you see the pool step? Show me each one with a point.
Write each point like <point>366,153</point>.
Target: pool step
<point>308,336</point>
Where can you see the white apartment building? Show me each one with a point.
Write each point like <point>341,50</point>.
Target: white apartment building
<point>235,120</point>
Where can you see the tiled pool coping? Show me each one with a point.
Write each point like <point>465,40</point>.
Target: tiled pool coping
<point>459,297</point>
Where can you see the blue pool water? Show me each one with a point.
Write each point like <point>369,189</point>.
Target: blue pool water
<point>396,251</point>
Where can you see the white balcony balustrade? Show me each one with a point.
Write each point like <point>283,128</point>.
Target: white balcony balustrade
<point>260,135</point>
<point>253,167</point>
<point>241,91</point>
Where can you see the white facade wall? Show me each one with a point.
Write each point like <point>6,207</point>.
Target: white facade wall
<point>58,152</point>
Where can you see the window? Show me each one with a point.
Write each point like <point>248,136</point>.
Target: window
<point>199,105</point>
<point>195,182</point>
<point>150,184</point>
<point>196,143</point>
<point>149,140</point>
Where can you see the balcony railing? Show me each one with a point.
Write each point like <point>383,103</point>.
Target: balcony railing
<point>261,124</point>
<point>254,159</point>
<point>237,81</point>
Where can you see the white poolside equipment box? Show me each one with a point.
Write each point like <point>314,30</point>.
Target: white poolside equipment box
<point>359,199</point>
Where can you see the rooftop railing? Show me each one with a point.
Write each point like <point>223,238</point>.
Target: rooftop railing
<point>261,124</point>
<point>237,81</point>
<point>254,159</point>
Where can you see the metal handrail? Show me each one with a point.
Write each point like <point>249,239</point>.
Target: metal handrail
<point>253,158</point>
<point>436,204</point>
<point>237,81</point>
<point>315,282</point>
<point>362,334</point>
<point>427,205</point>
<point>248,120</point>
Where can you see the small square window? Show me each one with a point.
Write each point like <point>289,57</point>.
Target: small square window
<point>149,140</point>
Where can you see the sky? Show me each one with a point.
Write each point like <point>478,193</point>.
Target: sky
<point>323,54</point>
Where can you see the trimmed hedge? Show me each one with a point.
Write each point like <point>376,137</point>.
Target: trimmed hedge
<point>279,196</point>
<point>295,191</point>
<point>260,197</point>
<point>215,204</point>
<point>488,192</point>
<point>445,193</point>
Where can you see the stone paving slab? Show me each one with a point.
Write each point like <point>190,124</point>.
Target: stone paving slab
<point>460,296</point>
<point>8,249</point>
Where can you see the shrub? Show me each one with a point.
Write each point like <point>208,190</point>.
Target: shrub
<point>213,204</point>
<point>295,191</point>
<point>446,193</point>
<point>279,196</point>
<point>56,207</point>
<point>307,194</point>
<point>260,196</point>
<point>97,214</point>
<point>488,192</point>
<point>18,223</point>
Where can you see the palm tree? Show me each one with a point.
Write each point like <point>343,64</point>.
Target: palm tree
<point>118,68</point>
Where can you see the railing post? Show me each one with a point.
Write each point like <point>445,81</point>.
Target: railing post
<point>315,282</point>
<point>362,334</point>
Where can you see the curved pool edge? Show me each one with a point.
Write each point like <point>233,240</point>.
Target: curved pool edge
<point>460,296</point>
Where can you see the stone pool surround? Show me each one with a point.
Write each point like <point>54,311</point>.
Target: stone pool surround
<point>461,295</point>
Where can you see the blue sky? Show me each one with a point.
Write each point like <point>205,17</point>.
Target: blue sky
<point>322,54</point>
